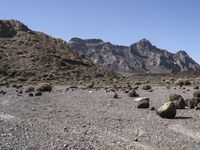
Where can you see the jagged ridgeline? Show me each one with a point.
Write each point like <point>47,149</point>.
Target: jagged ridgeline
<point>35,56</point>
<point>139,58</point>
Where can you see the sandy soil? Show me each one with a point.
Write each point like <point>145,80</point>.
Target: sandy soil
<point>81,119</point>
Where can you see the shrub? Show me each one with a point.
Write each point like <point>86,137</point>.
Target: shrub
<point>187,82</point>
<point>42,87</point>
<point>137,83</point>
<point>146,87</point>
<point>179,82</point>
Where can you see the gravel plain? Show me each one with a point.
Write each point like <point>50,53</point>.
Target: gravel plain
<point>80,119</point>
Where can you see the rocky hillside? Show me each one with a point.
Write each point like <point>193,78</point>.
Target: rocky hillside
<point>139,58</point>
<point>35,56</point>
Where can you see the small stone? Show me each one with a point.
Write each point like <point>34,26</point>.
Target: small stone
<point>196,87</point>
<point>143,104</point>
<point>197,107</point>
<point>30,94</point>
<point>152,108</point>
<point>38,94</point>
<point>132,93</point>
<point>115,95</point>
<point>196,94</point>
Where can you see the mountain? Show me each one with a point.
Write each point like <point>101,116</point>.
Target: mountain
<point>35,56</point>
<point>139,58</point>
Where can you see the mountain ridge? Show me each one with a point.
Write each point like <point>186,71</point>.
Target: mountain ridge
<point>138,58</point>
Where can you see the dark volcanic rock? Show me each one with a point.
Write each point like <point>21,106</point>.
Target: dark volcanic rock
<point>115,95</point>
<point>132,93</point>
<point>143,104</point>
<point>196,94</point>
<point>141,57</point>
<point>192,103</point>
<point>168,110</point>
<point>178,101</point>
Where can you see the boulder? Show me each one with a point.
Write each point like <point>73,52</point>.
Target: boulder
<point>168,110</point>
<point>178,101</point>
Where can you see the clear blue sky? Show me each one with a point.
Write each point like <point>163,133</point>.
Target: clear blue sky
<point>169,24</point>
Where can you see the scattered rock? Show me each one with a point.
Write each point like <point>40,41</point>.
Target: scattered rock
<point>152,108</point>
<point>192,103</point>
<point>197,107</point>
<point>168,110</point>
<point>196,94</point>
<point>196,87</point>
<point>178,101</point>
<point>115,95</point>
<point>38,94</point>
<point>143,103</point>
<point>30,94</point>
<point>132,93</point>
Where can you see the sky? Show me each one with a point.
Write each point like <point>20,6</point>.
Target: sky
<point>169,24</point>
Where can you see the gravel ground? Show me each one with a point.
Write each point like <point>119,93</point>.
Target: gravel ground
<point>82,119</point>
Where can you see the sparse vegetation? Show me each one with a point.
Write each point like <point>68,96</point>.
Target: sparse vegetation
<point>42,87</point>
<point>146,87</point>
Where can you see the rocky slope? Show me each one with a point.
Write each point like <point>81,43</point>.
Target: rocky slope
<point>139,58</point>
<point>35,56</point>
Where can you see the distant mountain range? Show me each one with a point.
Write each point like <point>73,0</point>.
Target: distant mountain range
<point>139,58</point>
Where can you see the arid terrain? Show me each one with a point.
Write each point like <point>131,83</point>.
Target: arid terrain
<point>79,118</point>
<point>91,94</point>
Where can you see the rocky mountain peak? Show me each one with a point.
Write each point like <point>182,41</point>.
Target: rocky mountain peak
<point>9,28</point>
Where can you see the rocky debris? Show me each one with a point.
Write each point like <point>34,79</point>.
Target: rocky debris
<point>178,101</point>
<point>138,58</point>
<point>168,110</point>
<point>196,94</point>
<point>192,103</point>
<point>196,87</point>
<point>132,93</point>
<point>3,92</point>
<point>197,107</point>
<point>115,95</point>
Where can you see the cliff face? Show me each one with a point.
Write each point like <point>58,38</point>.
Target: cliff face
<point>138,58</point>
